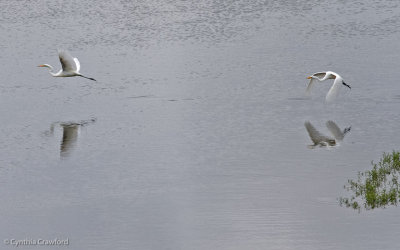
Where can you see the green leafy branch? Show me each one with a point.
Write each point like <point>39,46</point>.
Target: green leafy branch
<point>378,187</point>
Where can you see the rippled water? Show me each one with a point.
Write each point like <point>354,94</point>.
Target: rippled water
<point>194,136</point>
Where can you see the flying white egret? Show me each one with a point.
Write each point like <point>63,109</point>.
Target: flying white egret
<point>322,140</point>
<point>322,76</point>
<point>70,66</point>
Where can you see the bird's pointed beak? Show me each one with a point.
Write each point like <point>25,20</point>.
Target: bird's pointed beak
<point>345,84</point>
<point>41,65</point>
<point>309,77</point>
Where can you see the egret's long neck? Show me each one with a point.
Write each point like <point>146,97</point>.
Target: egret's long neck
<point>327,75</point>
<point>51,69</point>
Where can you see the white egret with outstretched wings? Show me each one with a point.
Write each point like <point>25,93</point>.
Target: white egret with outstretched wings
<point>322,76</point>
<point>70,66</point>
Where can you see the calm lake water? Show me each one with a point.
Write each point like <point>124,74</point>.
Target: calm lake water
<point>193,136</point>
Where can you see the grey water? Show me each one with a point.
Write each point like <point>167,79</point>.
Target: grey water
<point>198,138</point>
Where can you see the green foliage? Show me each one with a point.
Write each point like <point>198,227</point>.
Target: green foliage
<point>378,187</point>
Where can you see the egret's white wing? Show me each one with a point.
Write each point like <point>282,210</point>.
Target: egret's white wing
<point>310,84</point>
<point>315,135</point>
<point>334,90</point>
<point>335,130</point>
<point>78,65</point>
<point>67,61</point>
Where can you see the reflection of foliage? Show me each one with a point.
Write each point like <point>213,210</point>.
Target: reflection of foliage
<point>375,188</point>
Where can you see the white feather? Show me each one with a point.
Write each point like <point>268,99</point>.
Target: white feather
<point>78,65</point>
<point>334,90</point>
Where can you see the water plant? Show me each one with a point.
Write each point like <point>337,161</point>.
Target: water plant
<point>378,187</point>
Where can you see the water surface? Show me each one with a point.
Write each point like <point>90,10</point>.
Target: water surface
<point>199,140</point>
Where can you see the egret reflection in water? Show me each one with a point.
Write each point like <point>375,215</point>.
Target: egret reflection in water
<point>70,135</point>
<point>322,140</point>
